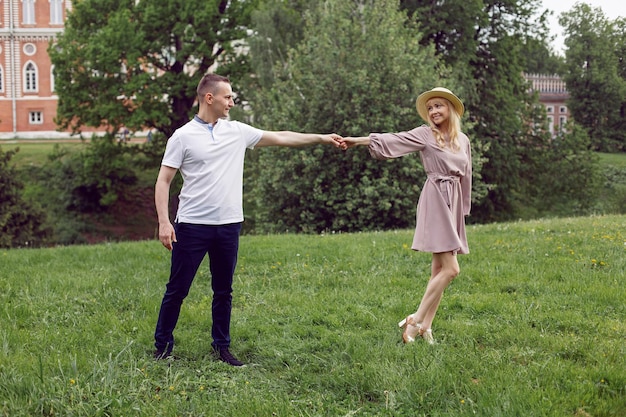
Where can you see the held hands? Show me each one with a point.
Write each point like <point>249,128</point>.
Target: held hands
<point>350,142</point>
<point>345,143</point>
<point>333,139</point>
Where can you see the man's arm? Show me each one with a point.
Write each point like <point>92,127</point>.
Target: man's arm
<point>161,201</point>
<point>294,139</point>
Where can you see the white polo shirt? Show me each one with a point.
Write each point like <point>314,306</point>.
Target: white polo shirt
<point>210,160</point>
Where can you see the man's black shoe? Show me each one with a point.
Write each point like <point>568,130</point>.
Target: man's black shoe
<point>160,355</point>
<point>225,356</point>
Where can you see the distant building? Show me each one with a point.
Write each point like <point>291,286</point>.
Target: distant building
<point>28,101</point>
<point>553,95</point>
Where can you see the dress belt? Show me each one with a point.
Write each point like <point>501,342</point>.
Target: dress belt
<point>445,183</point>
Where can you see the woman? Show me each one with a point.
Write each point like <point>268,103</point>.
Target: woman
<point>445,198</point>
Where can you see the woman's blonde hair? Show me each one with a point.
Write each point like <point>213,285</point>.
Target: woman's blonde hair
<point>454,127</point>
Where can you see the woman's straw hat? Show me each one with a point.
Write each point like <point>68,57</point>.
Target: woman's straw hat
<point>438,92</point>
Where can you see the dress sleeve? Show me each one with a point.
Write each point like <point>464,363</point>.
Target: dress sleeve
<point>466,181</point>
<point>394,145</point>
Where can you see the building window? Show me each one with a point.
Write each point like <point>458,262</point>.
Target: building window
<point>28,12</point>
<point>551,124</point>
<point>35,117</point>
<point>562,121</point>
<point>1,80</point>
<point>56,12</point>
<point>30,49</point>
<point>563,109</point>
<point>549,109</point>
<point>30,78</point>
<point>52,87</point>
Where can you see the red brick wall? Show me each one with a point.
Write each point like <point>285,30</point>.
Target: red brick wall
<point>43,99</point>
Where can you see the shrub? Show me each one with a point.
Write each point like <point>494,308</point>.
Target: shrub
<point>91,180</point>
<point>22,223</point>
<point>613,196</point>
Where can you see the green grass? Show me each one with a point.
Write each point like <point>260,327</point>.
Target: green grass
<point>35,154</point>
<point>618,160</point>
<point>533,326</point>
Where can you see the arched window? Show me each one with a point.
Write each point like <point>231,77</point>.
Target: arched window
<point>30,78</point>
<point>28,12</point>
<point>56,12</point>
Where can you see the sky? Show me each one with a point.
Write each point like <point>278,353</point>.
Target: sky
<point>611,9</point>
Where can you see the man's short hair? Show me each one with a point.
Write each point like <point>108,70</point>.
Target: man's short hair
<point>208,84</point>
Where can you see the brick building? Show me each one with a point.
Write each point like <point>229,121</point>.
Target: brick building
<point>28,101</point>
<point>553,95</point>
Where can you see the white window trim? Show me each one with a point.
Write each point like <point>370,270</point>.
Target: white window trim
<point>52,86</point>
<point>26,74</point>
<point>56,12</point>
<point>35,117</point>
<point>28,12</point>
<point>27,45</point>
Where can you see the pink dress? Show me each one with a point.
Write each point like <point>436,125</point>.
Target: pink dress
<point>445,199</point>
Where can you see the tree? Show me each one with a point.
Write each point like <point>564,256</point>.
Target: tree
<point>560,174</point>
<point>137,63</point>
<point>487,43</point>
<point>22,224</point>
<point>538,58</point>
<point>596,77</point>
<point>482,41</point>
<point>93,179</point>
<point>278,27</point>
<point>358,69</point>
<point>501,117</point>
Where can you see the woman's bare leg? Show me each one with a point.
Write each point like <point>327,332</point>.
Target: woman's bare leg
<point>448,270</point>
<point>444,269</point>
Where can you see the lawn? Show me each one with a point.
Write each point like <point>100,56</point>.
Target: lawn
<point>533,326</point>
<point>36,153</point>
<point>618,160</point>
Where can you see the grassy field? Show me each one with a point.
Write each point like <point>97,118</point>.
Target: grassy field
<point>533,326</point>
<point>618,160</point>
<point>36,153</point>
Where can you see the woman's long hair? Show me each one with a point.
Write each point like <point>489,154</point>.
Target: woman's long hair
<point>454,127</point>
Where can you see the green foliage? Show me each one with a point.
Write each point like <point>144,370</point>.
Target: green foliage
<point>547,162</point>
<point>93,179</point>
<point>138,63</point>
<point>538,58</point>
<point>357,70</point>
<point>77,183</point>
<point>463,29</point>
<point>502,116</point>
<point>278,27</point>
<point>533,326</point>
<point>596,78</point>
<point>489,45</point>
<point>22,223</point>
<point>612,196</point>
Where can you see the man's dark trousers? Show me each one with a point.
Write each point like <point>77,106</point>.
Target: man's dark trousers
<point>194,241</point>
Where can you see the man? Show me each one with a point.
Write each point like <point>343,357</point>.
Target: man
<point>209,152</point>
